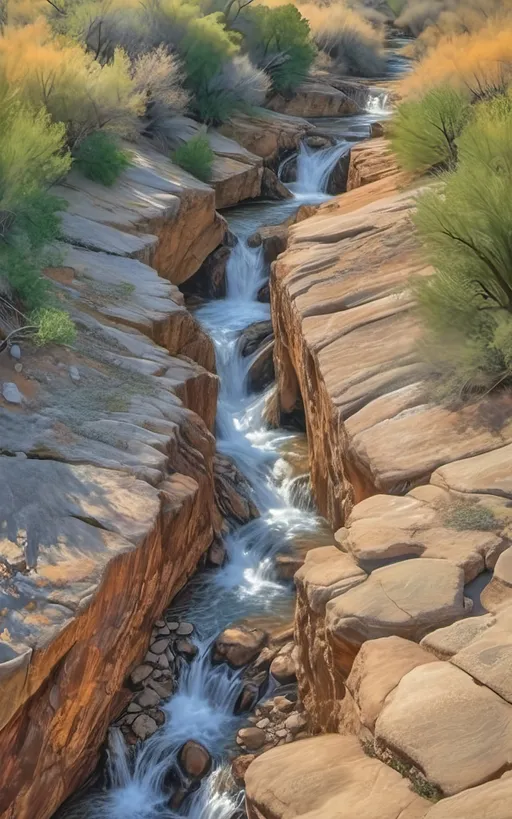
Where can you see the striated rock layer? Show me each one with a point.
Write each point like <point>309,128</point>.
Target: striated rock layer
<point>108,477</point>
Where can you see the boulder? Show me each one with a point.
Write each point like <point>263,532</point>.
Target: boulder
<point>210,280</point>
<point>498,593</point>
<point>261,372</point>
<point>327,573</point>
<point>315,99</point>
<point>239,768</point>
<point>445,642</point>
<point>377,670</point>
<point>194,760</point>
<point>283,667</point>
<point>457,732</point>
<point>254,336</point>
<point>252,738</point>
<point>144,726</point>
<point>272,188</point>
<point>488,657</point>
<point>238,645</point>
<point>233,493</point>
<point>408,599</point>
<point>330,777</point>
<point>492,801</point>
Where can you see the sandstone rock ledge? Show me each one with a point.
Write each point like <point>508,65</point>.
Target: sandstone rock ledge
<point>107,475</point>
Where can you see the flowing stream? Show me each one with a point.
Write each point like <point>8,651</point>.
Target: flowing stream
<point>203,708</point>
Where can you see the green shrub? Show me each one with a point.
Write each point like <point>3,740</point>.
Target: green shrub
<point>279,41</point>
<point>54,326</point>
<point>465,228</point>
<point>465,514</point>
<point>424,132</point>
<point>99,158</point>
<point>196,157</point>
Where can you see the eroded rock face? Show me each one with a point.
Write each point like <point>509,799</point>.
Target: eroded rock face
<point>331,777</point>
<point>267,136</point>
<point>315,99</point>
<point>110,500</point>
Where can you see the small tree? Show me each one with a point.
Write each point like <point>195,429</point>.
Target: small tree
<point>424,132</point>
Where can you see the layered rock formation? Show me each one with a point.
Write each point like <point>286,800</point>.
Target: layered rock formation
<point>107,469</point>
<point>403,623</point>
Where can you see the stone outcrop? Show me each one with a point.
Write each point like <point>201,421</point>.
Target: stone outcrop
<point>315,99</point>
<point>267,134</point>
<point>331,777</point>
<point>107,469</point>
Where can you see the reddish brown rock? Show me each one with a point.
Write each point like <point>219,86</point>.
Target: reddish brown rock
<point>194,760</point>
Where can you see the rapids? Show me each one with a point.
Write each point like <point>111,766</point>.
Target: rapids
<point>246,586</point>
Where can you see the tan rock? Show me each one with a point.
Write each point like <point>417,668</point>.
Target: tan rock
<point>377,670</point>
<point>283,667</point>
<point>252,738</point>
<point>498,593</point>
<point>315,99</point>
<point>488,657</point>
<point>144,726</point>
<point>239,768</point>
<point>194,759</point>
<point>445,642</point>
<point>328,777</point>
<point>485,473</point>
<point>326,573</point>
<point>456,732</point>
<point>408,599</point>
<point>239,645</point>
<point>491,801</point>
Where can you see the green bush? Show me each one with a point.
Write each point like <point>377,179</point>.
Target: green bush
<point>279,41</point>
<point>424,132</point>
<point>54,326</point>
<point>196,157</point>
<point>465,227</point>
<point>99,158</point>
<point>466,514</point>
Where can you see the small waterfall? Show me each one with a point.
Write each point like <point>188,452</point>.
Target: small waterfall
<point>377,103</point>
<point>314,167</point>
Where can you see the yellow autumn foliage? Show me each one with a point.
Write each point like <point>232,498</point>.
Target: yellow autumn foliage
<point>60,75</point>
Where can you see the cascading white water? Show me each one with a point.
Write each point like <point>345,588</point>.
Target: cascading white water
<point>377,103</point>
<point>314,168</point>
<point>203,706</point>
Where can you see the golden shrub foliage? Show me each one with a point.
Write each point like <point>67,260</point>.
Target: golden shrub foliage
<point>479,62</point>
<point>75,89</point>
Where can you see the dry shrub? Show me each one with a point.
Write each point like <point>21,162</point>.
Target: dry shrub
<point>70,83</point>
<point>347,37</point>
<point>479,63</point>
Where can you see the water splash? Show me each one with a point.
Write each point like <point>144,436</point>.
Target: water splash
<point>314,168</point>
<point>377,104</point>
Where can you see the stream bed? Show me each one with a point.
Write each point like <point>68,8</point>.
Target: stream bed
<point>246,587</point>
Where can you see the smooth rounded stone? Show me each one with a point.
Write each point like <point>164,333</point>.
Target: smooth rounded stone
<point>492,801</point>
<point>74,374</point>
<point>148,698</point>
<point>163,631</point>
<point>281,732</point>
<point>186,649</point>
<point>264,659</point>
<point>263,723</point>
<point>151,658</point>
<point>327,573</point>
<point>314,141</point>
<point>252,738</point>
<point>377,670</point>
<point>239,768</point>
<point>159,646</point>
<point>18,367</point>
<point>185,629</point>
<point>160,624</point>
<point>376,130</point>
<point>15,351</point>
<point>330,777</point>
<point>144,726</point>
<point>133,708</point>
<point>408,599</point>
<point>158,716</point>
<point>163,662</point>
<point>194,760</point>
<point>173,625</point>
<point>454,730</point>
<point>11,393</point>
<point>141,673</point>
<point>445,642</point>
<point>295,723</point>
<point>239,646</point>
<point>283,668</point>
<point>163,689</point>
